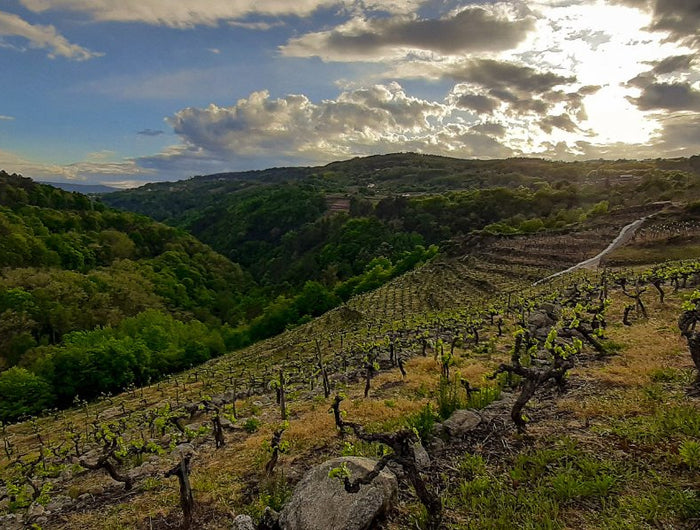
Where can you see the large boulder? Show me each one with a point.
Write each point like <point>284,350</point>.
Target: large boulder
<point>321,503</point>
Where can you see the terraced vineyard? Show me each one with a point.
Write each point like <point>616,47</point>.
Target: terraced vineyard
<point>613,445</point>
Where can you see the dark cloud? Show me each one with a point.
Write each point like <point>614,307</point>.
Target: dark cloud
<point>476,102</point>
<point>518,90</point>
<point>490,128</point>
<point>150,132</point>
<point>504,95</point>
<point>561,121</point>
<point>669,65</point>
<point>675,63</point>
<point>473,29</point>
<point>505,76</point>
<point>681,18</point>
<point>682,133</point>
<point>668,96</point>
<point>573,101</point>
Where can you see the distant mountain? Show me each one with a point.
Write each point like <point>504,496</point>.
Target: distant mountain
<point>81,188</point>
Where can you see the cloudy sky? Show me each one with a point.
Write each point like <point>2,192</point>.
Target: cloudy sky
<point>128,91</point>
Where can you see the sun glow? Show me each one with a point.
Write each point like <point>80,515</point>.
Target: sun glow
<point>612,118</point>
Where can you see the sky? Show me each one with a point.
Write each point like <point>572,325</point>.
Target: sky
<point>123,92</point>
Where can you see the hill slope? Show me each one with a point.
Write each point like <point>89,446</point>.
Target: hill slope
<point>616,449</point>
<point>70,266</point>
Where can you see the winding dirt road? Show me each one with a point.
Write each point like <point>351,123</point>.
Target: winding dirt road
<point>591,263</point>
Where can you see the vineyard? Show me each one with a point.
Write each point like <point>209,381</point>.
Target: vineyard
<point>583,385</point>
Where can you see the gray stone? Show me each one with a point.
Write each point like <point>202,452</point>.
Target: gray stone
<point>12,522</point>
<point>243,522</point>
<point>58,503</point>
<point>321,503</point>
<point>461,422</point>
<point>437,445</point>
<point>35,510</point>
<point>421,457</point>
<point>182,450</point>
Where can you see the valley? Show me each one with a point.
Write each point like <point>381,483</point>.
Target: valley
<point>610,443</point>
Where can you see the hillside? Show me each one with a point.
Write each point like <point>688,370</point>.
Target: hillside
<point>83,286</point>
<point>351,226</point>
<point>616,447</point>
<point>96,301</point>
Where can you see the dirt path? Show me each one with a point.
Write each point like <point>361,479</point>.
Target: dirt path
<point>591,263</point>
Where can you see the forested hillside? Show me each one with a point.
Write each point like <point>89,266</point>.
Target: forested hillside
<point>289,225</point>
<point>349,227</point>
<point>93,300</point>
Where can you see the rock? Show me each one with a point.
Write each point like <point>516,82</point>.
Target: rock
<point>461,422</point>
<point>421,456</point>
<point>437,445</point>
<point>36,510</point>
<point>269,520</point>
<point>321,503</point>
<point>182,450</point>
<point>58,503</point>
<point>539,320</point>
<point>12,522</point>
<point>243,522</point>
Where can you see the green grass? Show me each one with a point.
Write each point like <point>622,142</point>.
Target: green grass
<point>559,485</point>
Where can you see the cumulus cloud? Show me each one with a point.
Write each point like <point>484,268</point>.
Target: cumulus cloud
<point>44,37</point>
<point>470,30</point>
<point>358,121</point>
<point>178,14</point>
<point>294,130</point>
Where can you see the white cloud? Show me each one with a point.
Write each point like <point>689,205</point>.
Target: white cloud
<point>179,14</point>
<point>358,121</point>
<point>294,130</point>
<point>6,118</point>
<point>45,37</point>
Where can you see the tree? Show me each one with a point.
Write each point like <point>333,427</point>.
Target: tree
<point>23,393</point>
